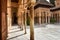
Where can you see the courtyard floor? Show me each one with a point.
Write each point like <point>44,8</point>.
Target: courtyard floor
<point>42,32</point>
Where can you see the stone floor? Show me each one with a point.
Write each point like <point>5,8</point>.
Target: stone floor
<point>42,32</point>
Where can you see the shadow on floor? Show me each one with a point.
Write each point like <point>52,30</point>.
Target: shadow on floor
<point>16,36</point>
<point>14,31</point>
<point>37,26</point>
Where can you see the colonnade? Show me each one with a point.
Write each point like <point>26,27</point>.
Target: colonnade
<point>44,18</point>
<point>24,10</point>
<point>6,9</point>
<point>56,16</point>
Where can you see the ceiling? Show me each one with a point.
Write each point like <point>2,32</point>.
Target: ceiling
<point>15,1</point>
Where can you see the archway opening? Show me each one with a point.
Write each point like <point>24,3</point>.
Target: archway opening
<point>14,16</point>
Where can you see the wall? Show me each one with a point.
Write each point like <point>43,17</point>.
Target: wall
<point>43,12</point>
<point>56,15</point>
<point>57,3</point>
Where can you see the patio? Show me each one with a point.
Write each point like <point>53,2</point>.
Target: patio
<point>48,32</point>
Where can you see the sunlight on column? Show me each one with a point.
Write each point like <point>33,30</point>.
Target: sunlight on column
<point>48,0</point>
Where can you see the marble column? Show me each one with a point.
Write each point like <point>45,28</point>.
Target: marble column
<point>9,18</point>
<point>19,19</point>
<point>22,20</point>
<point>49,15</point>
<point>46,18</point>
<point>25,16</point>
<point>25,22</point>
<point>22,7</point>
<point>59,18</point>
<point>3,19</point>
<point>31,23</point>
<point>40,18</point>
<point>20,14</point>
<point>43,18</point>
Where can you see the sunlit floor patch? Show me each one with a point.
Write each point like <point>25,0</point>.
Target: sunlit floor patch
<point>49,32</point>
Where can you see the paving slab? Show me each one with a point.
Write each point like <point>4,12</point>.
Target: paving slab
<point>49,32</point>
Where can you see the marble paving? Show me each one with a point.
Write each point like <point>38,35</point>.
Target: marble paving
<point>44,32</point>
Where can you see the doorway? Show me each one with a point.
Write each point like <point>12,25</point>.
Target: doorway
<point>14,16</point>
<point>28,19</point>
<point>14,19</point>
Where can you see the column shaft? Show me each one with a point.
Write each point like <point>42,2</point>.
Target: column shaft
<point>46,18</point>
<point>22,21</point>
<point>49,16</point>
<point>9,18</point>
<point>3,19</point>
<point>25,22</point>
<point>32,23</point>
<point>39,18</point>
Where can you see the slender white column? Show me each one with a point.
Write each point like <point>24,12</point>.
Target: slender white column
<point>9,14</point>
<point>46,18</point>
<point>40,17</point>
<point>32,23</point>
